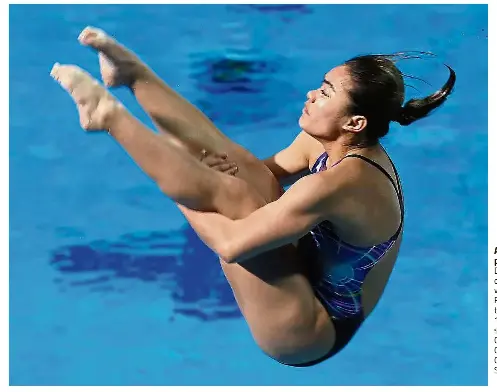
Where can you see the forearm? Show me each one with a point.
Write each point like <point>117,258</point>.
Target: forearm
<point>290,179</point>
<point>281,222</point>
<point>165,163</point>
<point>237,240</point>
<point>212,228</point>
<point>219,233</point>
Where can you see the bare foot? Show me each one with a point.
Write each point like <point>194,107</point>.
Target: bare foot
<point>96,106</point>
<point>118,65</point>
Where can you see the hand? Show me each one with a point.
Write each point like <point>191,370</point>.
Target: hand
<point>219,162</point>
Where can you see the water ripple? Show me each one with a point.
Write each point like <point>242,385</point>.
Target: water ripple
<point>176,262</point>
<point>239,88</point>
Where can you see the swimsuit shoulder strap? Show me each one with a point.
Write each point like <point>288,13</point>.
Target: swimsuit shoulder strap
<point>397,188</point>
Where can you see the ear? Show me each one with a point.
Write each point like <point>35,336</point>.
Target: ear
<point>355,124</point>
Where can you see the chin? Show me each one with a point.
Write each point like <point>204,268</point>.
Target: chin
<point>303,124</point>
<point>302,121</point>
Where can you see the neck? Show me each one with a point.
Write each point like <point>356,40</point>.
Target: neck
<point>338,149</point>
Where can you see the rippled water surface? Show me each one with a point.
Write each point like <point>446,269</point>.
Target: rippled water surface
<point>108,285</point>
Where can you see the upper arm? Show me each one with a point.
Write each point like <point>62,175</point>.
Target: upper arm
<point>285,220</point>
<point>293,160</point>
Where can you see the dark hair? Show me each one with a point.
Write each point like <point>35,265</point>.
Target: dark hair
<point>377,93</point>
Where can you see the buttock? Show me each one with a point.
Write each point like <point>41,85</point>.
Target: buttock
<point>344,332</point>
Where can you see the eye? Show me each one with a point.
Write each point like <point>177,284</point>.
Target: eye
<point>323,92</point>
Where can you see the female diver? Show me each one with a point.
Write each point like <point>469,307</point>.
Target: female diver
<point>308,265</point>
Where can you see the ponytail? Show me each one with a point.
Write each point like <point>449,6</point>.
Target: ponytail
<point>416,109</point>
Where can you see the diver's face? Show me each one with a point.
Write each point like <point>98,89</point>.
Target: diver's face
<point>326,109</point>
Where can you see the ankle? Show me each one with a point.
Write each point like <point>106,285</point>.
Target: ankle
<point>141,75</point>
<point>115,114</point>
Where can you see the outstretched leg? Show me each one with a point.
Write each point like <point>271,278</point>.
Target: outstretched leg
<point>174,116</point>
<point>274,295</point>
<point>160,158</point>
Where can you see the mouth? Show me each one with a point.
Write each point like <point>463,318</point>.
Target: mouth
<point>305,111</point>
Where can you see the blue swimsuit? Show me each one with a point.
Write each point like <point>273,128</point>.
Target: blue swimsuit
<point>339,269</point>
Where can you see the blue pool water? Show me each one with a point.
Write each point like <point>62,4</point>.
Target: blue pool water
<point>109,286</point>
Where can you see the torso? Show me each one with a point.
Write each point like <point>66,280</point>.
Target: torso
<point>352,264</point>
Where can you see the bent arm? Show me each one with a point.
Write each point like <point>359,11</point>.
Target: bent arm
<point>281,222</point>
<point>292,163</point>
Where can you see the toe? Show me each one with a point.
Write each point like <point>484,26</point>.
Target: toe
<point>92,36</point>
<point>70,76</point>
<point>64,74</point>
<point>55,70</point>
<point>60,73</point>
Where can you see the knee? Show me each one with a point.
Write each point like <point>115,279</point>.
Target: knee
<point>238,198</point>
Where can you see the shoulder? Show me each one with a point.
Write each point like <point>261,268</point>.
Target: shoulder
<point>323,190</point>
<point>333,190</point>
<point>294,159</point>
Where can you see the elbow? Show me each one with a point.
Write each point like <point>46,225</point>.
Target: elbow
<point>225,252</point>
<point>228,253</point>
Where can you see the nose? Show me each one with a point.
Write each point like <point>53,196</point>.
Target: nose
<point>311,96</point>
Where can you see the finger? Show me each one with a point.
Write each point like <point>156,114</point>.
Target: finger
<point>223,166</point>
<point>233,171</point>
<point>217,155</point>
<point>212,161</point>
<point>221,155</point>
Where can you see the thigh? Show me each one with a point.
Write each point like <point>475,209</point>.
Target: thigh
<point>273,289</point>
<point>253,171</point>
<point>283,314</point>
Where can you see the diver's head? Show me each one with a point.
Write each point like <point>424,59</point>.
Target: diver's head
<point>357,101</point>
